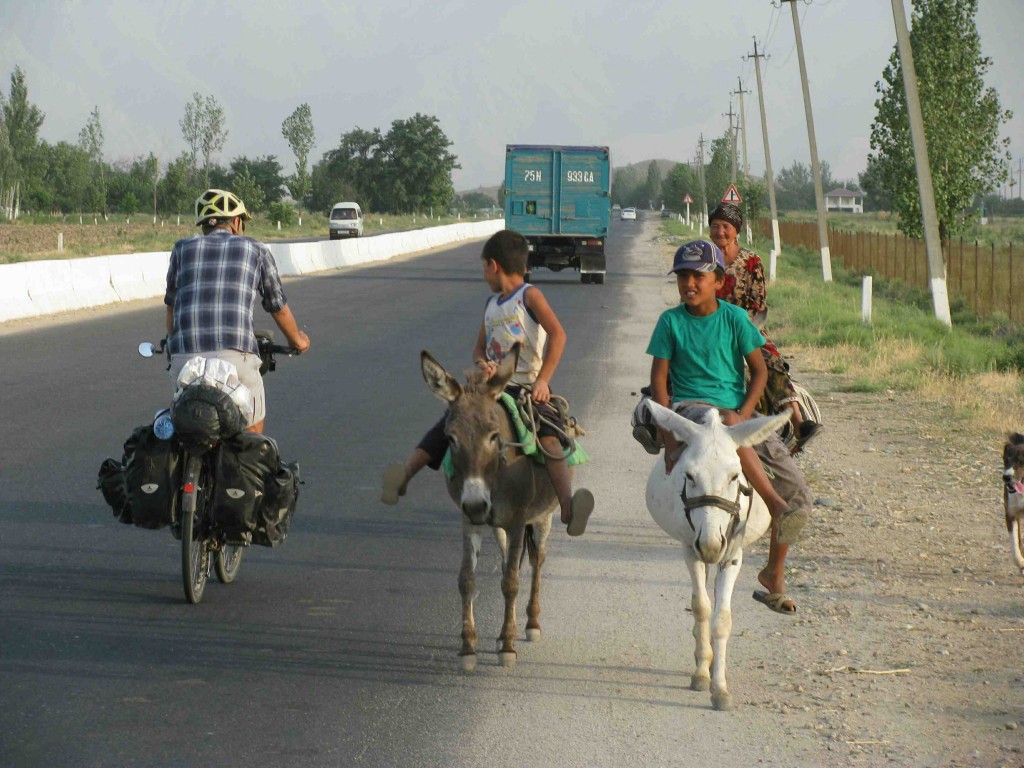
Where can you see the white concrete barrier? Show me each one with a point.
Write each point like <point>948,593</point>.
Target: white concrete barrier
<point>35,288</point>
<point>15,303</point>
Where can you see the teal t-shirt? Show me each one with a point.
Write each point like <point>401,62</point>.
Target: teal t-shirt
<point>706,354</point>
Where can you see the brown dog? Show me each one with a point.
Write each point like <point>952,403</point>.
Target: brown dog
<point>1013,494</point>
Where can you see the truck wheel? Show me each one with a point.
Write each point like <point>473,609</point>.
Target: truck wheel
<point>597,278</point>
<point>585,278</point>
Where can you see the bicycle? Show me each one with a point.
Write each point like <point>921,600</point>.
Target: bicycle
<point>200,533</point>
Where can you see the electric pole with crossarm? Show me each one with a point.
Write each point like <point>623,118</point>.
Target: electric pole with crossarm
<point>769,178</point>
<point>819,195</point>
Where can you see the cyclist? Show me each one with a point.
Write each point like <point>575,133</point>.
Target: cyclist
<point>212,284</point>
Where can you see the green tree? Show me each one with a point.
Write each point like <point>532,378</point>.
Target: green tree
<point>69,178</point>
<point>652,186</point>
<point>22,121</point>
<point>90,139</point>
<point>247,188</point>
<point>176,191</point>
<point>349,172</point>
<point>203,129</point>
<point>265,171</point>
<point>415,167</point>
<point>681,181</point>
<point>962,119</point>
<point>298,131</point>
<point>718,171</point>
<point>625,186</point>
<point>876,196</point>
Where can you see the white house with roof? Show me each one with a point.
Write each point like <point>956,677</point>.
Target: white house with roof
<point>843,200</point>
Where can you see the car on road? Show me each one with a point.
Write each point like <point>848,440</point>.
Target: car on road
<point>627,214</point>
<point>346,220</point>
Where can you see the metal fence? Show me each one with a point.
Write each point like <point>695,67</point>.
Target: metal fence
<point>985,276</point>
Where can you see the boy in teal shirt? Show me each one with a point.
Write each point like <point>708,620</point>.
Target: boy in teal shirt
<point>699,349</point>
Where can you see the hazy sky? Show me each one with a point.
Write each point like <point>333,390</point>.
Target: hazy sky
<point>645,78</point>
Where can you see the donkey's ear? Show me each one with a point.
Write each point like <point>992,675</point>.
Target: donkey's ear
<point>508,366</point>
<point>441,383</point>
<point>666,418</point>
<point>754,431</point>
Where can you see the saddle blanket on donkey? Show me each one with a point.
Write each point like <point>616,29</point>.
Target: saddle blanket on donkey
<point>525,426</point>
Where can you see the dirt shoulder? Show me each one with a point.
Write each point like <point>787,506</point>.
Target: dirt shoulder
<point>906,567</point>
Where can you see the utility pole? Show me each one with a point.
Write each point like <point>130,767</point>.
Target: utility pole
<point>767,154</point>
<point>819,195</point>
<point>703,186</point>
<point>743,127</point>
<point>932,243</point>
<point>732,142</point>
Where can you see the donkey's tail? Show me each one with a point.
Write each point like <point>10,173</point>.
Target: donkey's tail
<point>531,544</point>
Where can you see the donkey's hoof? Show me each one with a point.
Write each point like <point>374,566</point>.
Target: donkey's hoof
<point>533,635</point>
<point>468,662</point>
<point>721,702</point>
<point>507,659</point>
<point>698,683</point>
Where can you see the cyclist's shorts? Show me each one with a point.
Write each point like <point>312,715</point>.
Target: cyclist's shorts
<point>248,366</point>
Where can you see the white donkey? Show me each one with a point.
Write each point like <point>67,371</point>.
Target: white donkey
<point>707,504</point>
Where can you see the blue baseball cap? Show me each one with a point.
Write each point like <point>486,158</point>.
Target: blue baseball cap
<point>698,256</point>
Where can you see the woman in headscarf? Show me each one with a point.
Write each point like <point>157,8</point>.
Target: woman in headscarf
<point>745,286</point>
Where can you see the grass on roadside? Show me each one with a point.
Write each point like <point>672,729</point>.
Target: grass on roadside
<point>974,369</point>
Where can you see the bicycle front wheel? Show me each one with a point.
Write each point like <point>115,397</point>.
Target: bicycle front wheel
<point>195,554</point>
<point>227,562</point>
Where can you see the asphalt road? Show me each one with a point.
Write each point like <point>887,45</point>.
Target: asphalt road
<point>338,648</point>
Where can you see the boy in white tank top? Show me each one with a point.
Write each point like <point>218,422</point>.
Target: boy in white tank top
<point>516,313</point>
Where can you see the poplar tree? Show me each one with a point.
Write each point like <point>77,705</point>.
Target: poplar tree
<point>962,119</point>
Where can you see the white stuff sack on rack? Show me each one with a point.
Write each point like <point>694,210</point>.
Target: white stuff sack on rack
<point>219,374</point>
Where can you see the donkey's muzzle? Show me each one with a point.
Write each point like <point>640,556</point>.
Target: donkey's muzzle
<point>476,511</point>
<point>476,501</point>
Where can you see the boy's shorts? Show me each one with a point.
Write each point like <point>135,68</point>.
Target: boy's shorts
<point>786,477</point>
<point>435,442</point>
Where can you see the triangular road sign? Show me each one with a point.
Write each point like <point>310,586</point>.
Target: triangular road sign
<point>687,199</point>
<point>732,195</point>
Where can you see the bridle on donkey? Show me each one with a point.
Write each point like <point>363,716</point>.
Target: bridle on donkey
<point>732,507</point>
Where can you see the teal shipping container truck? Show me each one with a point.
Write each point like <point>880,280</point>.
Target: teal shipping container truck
<point>559,199</point>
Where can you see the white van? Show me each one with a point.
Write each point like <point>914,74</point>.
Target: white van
<point>346,220</point>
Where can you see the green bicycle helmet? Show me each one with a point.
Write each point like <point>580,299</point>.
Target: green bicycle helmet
<point>219,204</point>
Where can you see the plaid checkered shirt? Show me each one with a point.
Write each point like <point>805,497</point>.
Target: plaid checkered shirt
<point>212,284</point>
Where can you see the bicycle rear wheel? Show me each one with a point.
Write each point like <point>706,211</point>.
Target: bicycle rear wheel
<point>195,554</point>
<point>227,562</point>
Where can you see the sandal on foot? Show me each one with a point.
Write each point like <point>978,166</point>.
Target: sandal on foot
<point>807,432</point>
<point>642,434</point>
<point>775,601</point>
<point>582,506</point>
<point>791,523</point>
<point>393,484</point>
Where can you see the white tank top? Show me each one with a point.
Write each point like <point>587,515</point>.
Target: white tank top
<point>507,321</point>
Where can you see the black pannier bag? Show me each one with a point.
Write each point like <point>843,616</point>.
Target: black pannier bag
<point>242,466</point>
<point>280,497</point>
<point>203,415</point>
<point>115,493</point>
<point>152,477</point>
<point>254,493</point>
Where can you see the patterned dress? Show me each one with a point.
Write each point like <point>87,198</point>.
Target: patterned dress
<point>745,287</point>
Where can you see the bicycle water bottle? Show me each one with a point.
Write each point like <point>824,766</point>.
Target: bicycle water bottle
<point>162,426</point>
